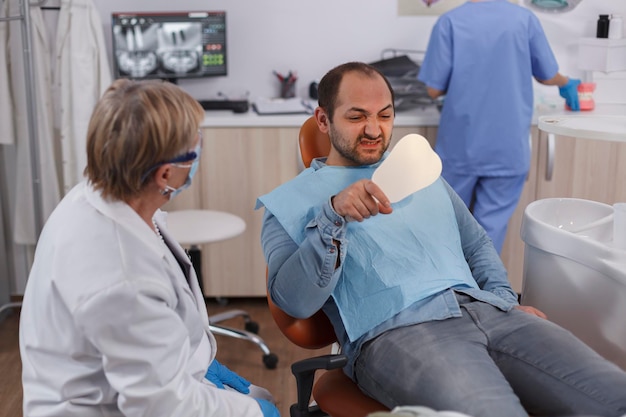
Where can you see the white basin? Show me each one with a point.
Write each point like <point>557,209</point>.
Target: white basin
<point>582,217</point>
<point>574,274</point>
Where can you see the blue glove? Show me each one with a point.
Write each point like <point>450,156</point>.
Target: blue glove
<point>570,93</point>
<point>221,375</point>
<point>268,409</point>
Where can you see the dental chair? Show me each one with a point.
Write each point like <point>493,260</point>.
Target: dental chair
<point>334,393</point>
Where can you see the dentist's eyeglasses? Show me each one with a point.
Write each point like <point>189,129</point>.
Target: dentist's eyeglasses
<point>178,161</point>
<point>191,156</point>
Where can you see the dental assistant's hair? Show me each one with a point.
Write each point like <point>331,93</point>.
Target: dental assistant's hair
<point>135,126</point>
<point>328,88</point>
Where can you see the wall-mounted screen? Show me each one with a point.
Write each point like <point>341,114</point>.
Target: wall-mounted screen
<point>169,45</point>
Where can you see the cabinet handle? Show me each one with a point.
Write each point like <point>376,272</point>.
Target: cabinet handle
<point>530,145</point>
<point>550,161</point>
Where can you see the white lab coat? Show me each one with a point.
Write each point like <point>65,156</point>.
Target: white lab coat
<point>110,326</point>
<point>82,75</point>
<point>7,135</point>
<point>24,226</point>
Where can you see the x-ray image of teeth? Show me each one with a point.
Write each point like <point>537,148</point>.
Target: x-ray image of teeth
<point>138,58</point>
<point>180,47</point>
<point>158,48</point>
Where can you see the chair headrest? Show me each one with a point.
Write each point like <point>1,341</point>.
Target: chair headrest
<point>313,142</point>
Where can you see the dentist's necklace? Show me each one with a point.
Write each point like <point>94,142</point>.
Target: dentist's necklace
<point>158,232</point>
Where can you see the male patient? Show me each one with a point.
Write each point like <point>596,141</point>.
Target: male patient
<point>416,292</point>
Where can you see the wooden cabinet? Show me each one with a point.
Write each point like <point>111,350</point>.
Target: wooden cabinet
<point>583,168</point>
<point>429,132</point>
<point>237,166</point>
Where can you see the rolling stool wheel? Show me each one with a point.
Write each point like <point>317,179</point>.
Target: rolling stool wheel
<point>270,360</point>
<point>252,327</point>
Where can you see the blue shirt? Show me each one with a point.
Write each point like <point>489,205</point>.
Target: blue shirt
<point>301,278</point>
<point>484,55</point>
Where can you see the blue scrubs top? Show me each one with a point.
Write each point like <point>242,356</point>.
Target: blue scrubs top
<point>484,55</point>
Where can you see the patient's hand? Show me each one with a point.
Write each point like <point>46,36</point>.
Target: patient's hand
<point>533,311</point>
<point>361,200</point>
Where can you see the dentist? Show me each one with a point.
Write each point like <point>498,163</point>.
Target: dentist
<point>113,322</point>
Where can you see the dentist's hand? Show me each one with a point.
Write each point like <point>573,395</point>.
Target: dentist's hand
<point>361,200</point>
<point>570,93</point>
<point>268,409</point>
<point>221,375</point>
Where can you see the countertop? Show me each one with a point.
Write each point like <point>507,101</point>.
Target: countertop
<point>425,116</point>
<point>605,122</point>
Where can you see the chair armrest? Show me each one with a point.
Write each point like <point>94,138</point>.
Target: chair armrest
<point>304,371</point>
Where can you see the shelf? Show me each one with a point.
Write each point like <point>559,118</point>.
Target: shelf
<point>606,55</point>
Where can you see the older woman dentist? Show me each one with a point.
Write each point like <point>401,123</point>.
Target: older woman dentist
<point>113,322</point>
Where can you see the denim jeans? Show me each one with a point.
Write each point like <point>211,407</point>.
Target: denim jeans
<point>490,363</point>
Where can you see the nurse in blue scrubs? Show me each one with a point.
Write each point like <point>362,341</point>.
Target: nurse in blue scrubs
<point>483,56</point>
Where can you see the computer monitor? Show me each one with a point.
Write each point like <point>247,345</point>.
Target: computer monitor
<point>169,45</point>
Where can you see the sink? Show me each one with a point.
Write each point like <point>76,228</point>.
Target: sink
<point>574,273</point>
<point>584,218</point>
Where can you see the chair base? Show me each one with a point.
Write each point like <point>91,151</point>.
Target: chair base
<point>312,411</point>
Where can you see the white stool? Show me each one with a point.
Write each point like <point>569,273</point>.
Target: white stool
<point>196,227</point>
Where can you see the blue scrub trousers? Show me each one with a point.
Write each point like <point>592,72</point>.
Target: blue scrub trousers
<point>491,363</point>
<point>491,199</point>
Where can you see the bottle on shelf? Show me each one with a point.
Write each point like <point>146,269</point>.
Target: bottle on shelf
<point>615,27</point>
<point>603,26</point>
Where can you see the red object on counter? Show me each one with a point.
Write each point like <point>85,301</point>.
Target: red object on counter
<point>585,96</point>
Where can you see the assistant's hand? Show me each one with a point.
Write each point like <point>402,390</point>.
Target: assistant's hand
<point>570,93</point>
<point>221,375</point>
<point>532,310</point>
<point>268,409</point>
<point>361,200</point>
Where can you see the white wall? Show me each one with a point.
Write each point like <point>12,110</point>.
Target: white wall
<point>310,37</point>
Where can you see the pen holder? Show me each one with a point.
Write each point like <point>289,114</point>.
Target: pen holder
<point>287,88</point>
